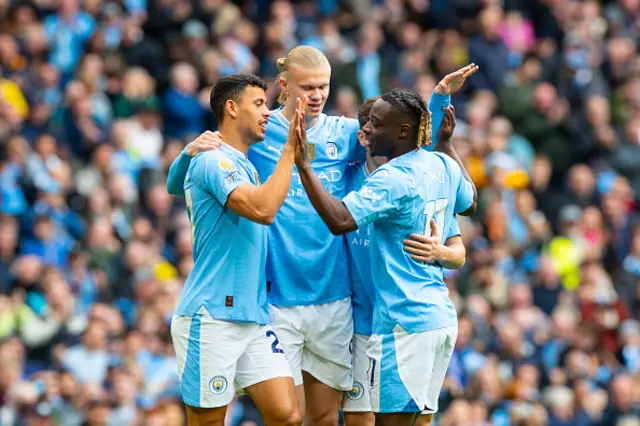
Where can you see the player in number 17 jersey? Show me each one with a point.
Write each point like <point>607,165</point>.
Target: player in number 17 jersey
<point>357,403</point>
<point>414,321</point>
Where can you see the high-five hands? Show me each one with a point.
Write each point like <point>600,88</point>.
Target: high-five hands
<point>423,248</point>
<point>451,83</point>
<point>298,125</point>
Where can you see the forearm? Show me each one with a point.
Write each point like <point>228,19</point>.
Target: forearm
<point>452,257</point>
<point>448,149</point>
<point>273,192</point>
<point>177,174</point>
<point>332,211</point>
<point>439,100</point>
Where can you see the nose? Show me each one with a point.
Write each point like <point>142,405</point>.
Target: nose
<point>367,128</point>
<point>316,95</point>
<point>267,114</point>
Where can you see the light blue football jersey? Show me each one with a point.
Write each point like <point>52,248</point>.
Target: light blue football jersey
<point>358,249</point>
<point>398,199</point>
<point>306,264</point>
<point>229,252</point>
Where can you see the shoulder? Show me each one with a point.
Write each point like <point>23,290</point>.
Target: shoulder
<point>213,161</point>
<point>340,126</point>
<point>449,163</point>
<point>392,174</point>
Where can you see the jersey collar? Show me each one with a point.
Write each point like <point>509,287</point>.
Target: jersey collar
<point>232,151</point>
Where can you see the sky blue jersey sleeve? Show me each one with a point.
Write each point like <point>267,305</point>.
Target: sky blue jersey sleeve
<point>177,173</point>
<point>464,191</point>
<point>356,151</point>
<point>436,103</point>
<point>218,174</point>
<point>381,196</point>
<point>454,229</point>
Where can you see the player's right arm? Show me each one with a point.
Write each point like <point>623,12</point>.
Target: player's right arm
<point>178,170</point>
<point>261,203</point>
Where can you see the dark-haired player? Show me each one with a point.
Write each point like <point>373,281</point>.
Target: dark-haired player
<point>414,321</point>
<point>220,329</point>
<point>357,403</point>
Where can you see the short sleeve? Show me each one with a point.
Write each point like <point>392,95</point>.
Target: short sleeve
<point>381,196</point>
<point>219,174</point>
<point>464,194</point>
<point>454,229</point>
<point>436,103</point>
<point>356,151</point>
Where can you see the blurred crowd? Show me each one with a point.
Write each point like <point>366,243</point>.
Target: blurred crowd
<point>97,97</point>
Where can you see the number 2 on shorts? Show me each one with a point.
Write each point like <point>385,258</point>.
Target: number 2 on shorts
<point>276,342</point>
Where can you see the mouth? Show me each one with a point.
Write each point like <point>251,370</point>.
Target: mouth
<point>315,107</point>
<point>263,126</point>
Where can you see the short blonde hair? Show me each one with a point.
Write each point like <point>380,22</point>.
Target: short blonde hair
<point>303,56</point>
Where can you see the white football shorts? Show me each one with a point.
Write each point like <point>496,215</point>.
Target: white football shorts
<point>316,339</point>
<point>216,358</point>
<point>358,399</point>
<point>407,370</point>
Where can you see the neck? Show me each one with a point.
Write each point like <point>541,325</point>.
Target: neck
<point>231,136</point>
<point>401,149</point>
<point>289,110</point>
<point>371,166</point>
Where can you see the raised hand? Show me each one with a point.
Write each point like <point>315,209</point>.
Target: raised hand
<point>423,248</point>
<point>448,125</point>
<point>451,83</point>
<point>302,146</point>
<point>207,141</point>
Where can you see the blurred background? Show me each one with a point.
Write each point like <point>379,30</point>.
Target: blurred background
<point>98,97</point>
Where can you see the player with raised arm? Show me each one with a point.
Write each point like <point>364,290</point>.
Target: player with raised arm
<point>414,321</point>
<point>220,329</point>
<point>357,403</point>
<point>309,291</point>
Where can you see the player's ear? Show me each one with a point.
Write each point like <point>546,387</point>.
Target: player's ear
<point>284,86</point>
<point>232,108</point>
<point>405,131</point>
<point>362,139</point>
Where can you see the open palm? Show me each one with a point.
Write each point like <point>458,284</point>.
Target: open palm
<point>451,83</point>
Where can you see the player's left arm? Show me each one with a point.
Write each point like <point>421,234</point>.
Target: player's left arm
<point>438,104</point>
<point>466,187</point>
<point>180,166</point>
<point>441,98</point>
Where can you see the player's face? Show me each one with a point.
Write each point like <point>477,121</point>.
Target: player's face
<point>312,83</point>
<point>376,161</point>
<point>382,130</point>
<point>253,114</point>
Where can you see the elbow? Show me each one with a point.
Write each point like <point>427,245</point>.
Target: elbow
<point>341,228</point>
<point>265,216</point>
<point>461,263</point>
<point>337,231</point>
<point>471,210</point>
<point>266,220</point>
